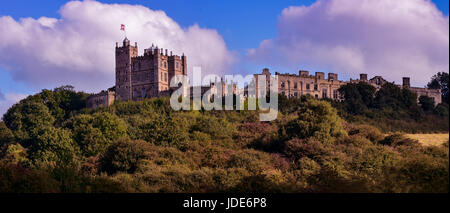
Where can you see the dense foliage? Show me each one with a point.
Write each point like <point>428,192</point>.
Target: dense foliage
<point>50,143</point>
<point>391,109</point>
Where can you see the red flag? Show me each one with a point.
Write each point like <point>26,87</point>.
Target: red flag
<point>122,27</point>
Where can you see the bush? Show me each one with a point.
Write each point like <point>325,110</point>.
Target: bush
<point>399,140</point>
<point>124,156</point>
<point>316,119</point>
<point>53,145</point>
<point>94,133</point>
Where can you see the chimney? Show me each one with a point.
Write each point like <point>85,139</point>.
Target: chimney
<point>363,77</point>
<point>166,52</point>
<point>117,44</point>
<point>332,76</point>
<point>303,73</point>
<point>406,82</point>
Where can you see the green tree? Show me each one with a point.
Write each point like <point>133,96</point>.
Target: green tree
<point>440,81</point>
<point>94,133</point>
<point>124,156</point>
<point>316,119</point>
<point>6,135</point>
<point>53,145</point>
<point>26,118</point>
<point>357,97</point>
<point>162,129</point>
<point>426,103</point>
<point>401,101</point>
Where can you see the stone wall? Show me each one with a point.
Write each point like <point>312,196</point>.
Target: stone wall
<point>292,85</point>
<point>102,99</point>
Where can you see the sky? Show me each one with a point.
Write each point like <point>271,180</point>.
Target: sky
<point>48,43</point>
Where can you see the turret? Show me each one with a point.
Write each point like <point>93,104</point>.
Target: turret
<point>406,82</point>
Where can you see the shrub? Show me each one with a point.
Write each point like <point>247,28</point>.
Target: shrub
<point>399,140</point>
<point>53,145</point>
<point>316,119</point>
<point>94,133</point>
<point>300,148</point>
<point>124,156</point>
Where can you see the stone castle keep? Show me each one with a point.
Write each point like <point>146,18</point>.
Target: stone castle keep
<point>147,76</point>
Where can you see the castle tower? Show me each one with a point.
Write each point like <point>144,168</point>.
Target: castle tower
<point>406,82</point>
<point>123,70</point>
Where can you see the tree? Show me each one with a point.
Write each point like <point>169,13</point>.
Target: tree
<point>63,101</point>
<point>357,97</point>
<point>94,133</point>
<point>396,98</point>
<point>316,119</point>
<point>124,156</point>
<point>53,145</point>
<point>26,118</point>
<point>6,135</point>
<point>440,81</point>
<point>426,103</point>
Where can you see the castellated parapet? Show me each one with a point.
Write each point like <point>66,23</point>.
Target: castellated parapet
<point>292,86</point>
<point>102,99</point>
<point>146,76</point>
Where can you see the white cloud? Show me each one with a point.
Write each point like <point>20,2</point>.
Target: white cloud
<point>379,37</point>
<point>8,100</point>
<point>78,48</point>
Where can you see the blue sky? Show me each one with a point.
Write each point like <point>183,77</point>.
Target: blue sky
<point>242,24</point>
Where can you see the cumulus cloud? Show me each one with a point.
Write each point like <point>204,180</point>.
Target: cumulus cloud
<point>78,47</point>
<point>9,99</point>
<point>379,37</point>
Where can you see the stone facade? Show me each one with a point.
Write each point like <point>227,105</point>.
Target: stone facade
<point>104,98</point>
<point>292,85</point>
<point>378,81</point>
<point>147,76</point>
<point>139,77</point>
<point>317,85</point>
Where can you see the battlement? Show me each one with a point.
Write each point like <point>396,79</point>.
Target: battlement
<point>147,75</point>
<point>305,74</point>
<point>292,85</point>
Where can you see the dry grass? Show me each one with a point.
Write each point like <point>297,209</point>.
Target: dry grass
<point>429,139</point>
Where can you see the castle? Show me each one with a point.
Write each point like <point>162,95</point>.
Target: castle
<point>292,85</point>
<point>140,77</point>
<point>147,76</point>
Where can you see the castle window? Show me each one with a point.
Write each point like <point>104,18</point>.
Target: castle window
<point>165,64</point>
<point>165,77</point>
<point>315,87</point>
<point>282,84</point>
<point>324,93</point>
<point>301,85</point>
<point>161,76</point>
<point>307,86</point>
<point>295,94</point>
<point>295,86</point>
<point>176,65</point>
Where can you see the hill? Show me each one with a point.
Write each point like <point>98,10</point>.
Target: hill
<point>51,143</point>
